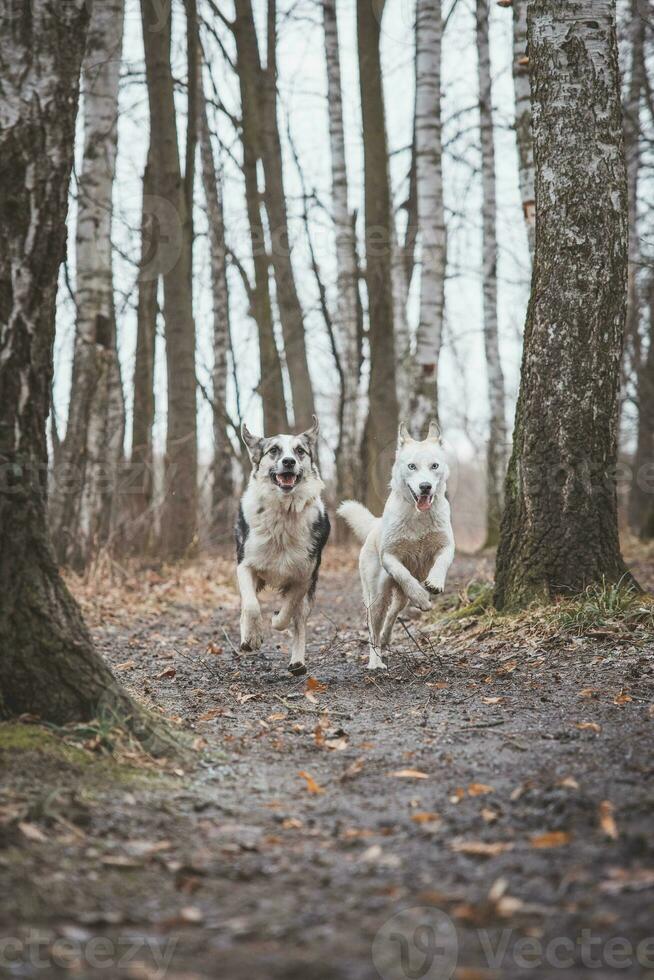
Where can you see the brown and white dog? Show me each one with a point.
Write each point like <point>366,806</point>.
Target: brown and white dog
<point>281,531</point>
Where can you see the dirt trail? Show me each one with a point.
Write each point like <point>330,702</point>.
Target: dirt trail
<point>478,782</point>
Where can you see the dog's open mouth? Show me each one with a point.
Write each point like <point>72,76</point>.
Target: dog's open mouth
<point>423,500</point>
<point>286,481</point>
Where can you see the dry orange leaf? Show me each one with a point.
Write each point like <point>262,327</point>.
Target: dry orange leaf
<point>409,774</point>
<point>457,795</point>
<point>481,848</point>
<point>312,785</point>
<point>488,815</point>
<point>590,726</point>
<point>622,698</point>
<point>553,838</point>
<point>127,665</point>
<point>569,782</point>
<point>210,714</point>
<point>425,817</point>
<point>497,700</point>
<point>315,685</point>
<point>479,789</point>
<point>607,820</point>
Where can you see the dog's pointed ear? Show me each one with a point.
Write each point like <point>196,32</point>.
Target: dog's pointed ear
<point>311,435</point>
<point>253,444</point>
<point>403,435</point>
<point>434,433</point>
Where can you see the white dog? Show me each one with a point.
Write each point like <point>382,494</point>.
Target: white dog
<point>281,531</point>
<point>407,551</point>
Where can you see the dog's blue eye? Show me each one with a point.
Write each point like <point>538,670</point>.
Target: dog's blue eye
<point>434,466</point>
<point>412,466</point>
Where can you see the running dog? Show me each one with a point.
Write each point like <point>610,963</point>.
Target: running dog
<point>281,531</point>
<point>406,552</point>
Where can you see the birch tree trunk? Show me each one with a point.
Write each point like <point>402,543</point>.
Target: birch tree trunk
<point>179,522</point>
<point>248,67</point>
<point>522,90</point>
<point>347,460</point>
<point>223,482</point>
<point>559,531</point>
<point>403,359</point>
<point>497,437</point>
<point>48,666</point>
<point>638,497</point>
<point>288,302</point>
<point>430,210</point>
<point>381,429</point>
<point>87,470</point>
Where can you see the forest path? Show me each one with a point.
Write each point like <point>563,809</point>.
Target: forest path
<point>480,781</point>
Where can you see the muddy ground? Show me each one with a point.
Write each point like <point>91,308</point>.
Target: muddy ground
<point>502,793</point>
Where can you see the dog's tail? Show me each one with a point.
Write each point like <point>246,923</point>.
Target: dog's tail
<point>358,517</point>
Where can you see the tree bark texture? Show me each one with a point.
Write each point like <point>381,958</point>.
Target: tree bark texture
<point>86,475</point>
<point>559,531</point>
<point>347,461</point>
<point>248,67</point>
<point>497,435</point>
<point>223,482</point>
<point>524,140</point>
<point>48,666</point>
<point>179,519</point>
<point>381,428</point>
<point>431,212</point>
<point>288,302</point>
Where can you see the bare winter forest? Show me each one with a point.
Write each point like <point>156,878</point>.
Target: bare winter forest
<point>428,224</point>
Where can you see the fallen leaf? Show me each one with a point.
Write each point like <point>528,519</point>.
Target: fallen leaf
<point>291,823</point>
<point>336,744</point>
<point>479,789</point>
<point>590,726</point>
<point>409,774</point>
<point>631,880</point>
<point>588,692</point>
<point>458,794</point>
<point>127,665</point>
<point>210,714</point>
<point>312,785</point>
<point>497,700</point>
<point>480,848</point>
<point>167,672</point>
<point>313,684</point>
<point>488,815</point>
<point>607,820</point>
<point>425,817</point>
<point>569,782</point>
<point>214,649</point>
<point>353,769</point>
<point>553,838</point>
<point>32,832</point>
<point>622,698</point>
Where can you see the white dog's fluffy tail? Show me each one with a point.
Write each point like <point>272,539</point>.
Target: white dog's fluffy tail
<point>358,517</point>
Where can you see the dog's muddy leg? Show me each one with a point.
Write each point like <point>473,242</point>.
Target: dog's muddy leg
<point>377,604</point>
<point>415,592</point>
<point>398,602</point>
<point>298,645</point>
<point>251,632</point>
<point>289,609</point>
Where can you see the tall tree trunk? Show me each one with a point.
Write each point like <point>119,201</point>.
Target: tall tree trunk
<point>497,437</point>
<point>139,477</point>
<point>288,302</point>
<point>347,460</point>
<point>48,666</point>
<point>179,523</point>
<point>525,143</point>
<point>643,470</point>
<point>431,212</point>
<point>381,428</point>
<point>248,67</point>
<point>86,472</point>
<point>560,530</point>
<point>638,498</point>
<point>223,481</point>
<point>403,359</point>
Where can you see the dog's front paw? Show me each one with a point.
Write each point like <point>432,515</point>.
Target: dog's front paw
<point>420,597</point>
<point>435,586</point>
<point>251,635</point>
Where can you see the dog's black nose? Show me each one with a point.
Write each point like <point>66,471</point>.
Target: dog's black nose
<point>288,462</point>
<point>425,487</point>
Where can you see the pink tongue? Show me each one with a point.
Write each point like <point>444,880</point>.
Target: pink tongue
<point>286,479</point>
<point>424,502</point>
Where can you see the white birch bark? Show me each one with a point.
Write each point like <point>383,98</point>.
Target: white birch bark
<point>404,361</point>
<point>345,319</point>
<point>431,214</point>
<point>524,140</point>
<point>78,508</point>
<point>496,455</point>
<point>212,180</point>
